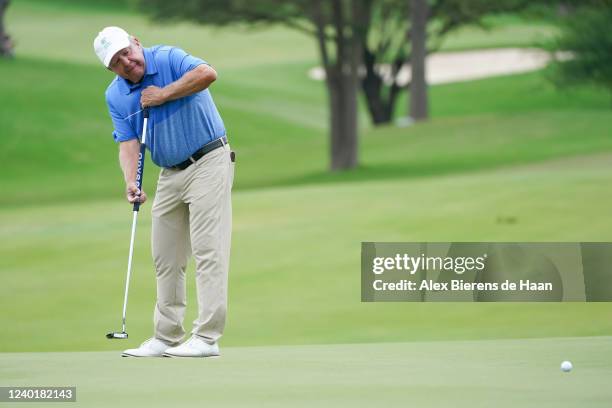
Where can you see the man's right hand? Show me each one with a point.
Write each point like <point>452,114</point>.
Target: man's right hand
<point>133,194</point>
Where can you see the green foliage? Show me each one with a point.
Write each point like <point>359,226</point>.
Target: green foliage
<point>587,37</point>
<point>223,12</point>
<point>119,6</point>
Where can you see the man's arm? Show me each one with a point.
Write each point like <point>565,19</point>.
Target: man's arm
<point>128,159</point>
<point>193,81</point>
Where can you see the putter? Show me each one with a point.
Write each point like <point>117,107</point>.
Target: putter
<point>139,173</point>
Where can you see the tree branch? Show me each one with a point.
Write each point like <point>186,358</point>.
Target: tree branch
<point>319,22</point>
<point>339,28</point>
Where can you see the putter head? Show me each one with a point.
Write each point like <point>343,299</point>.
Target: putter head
<point>117,335</point>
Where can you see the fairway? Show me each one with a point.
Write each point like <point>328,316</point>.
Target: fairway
<point>299,247</point>
<point>501,373</point>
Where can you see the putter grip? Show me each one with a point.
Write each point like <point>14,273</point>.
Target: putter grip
<point>141,160</point>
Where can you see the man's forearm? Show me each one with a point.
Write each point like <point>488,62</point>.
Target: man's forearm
<point>128,159</point>
<point>193,81</point>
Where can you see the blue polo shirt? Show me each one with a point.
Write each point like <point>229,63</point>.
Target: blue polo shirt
<point>175,129</point>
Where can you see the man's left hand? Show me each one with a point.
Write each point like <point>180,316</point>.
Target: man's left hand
<point>152,96</point>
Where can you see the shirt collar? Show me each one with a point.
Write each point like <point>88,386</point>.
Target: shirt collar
<point>150,69</point>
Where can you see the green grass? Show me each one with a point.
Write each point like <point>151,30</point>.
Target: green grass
<point>500,32</point>
<point>501,147</point>
<point>502,373</point>
<point>63,130</point>
<point>68,34</point>
<point>295,258</point>
<point>27,20</point>
<point>276,117</point>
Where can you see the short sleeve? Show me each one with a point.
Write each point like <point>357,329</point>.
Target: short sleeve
<point>181,62</point>
<point>123,131</point>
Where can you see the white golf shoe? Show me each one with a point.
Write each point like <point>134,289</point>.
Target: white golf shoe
<point>150,348</point>
<point>194,347</point>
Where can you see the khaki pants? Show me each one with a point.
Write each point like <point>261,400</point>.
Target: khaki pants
<point>192,214</point>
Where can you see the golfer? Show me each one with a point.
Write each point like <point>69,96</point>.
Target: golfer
<point>192,212</point>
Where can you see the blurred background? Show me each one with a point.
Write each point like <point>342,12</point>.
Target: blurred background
<point>352,121</point>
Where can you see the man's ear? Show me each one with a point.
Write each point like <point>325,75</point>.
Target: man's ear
<point>136,41</point>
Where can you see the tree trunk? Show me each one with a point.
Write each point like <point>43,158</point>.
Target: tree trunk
<point>380,97</point>
<point>6,46</point>
<point>372,85</point>
<point>341,80</point>
<point>418,37</point>
<point>343,127</point>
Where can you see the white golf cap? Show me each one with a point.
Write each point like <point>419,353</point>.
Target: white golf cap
<point>109,41</point>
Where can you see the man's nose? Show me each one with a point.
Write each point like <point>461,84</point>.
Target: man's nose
<point>123,60</point>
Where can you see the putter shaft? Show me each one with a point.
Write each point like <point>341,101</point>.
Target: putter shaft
<point>129,268</point>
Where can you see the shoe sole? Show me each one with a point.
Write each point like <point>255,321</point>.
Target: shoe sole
<point>175,356</point>
<point>132,355</point>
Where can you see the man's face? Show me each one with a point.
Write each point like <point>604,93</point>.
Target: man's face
<point>129,63</point>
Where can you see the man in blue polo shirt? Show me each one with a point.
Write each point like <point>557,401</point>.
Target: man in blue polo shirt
<point>192,212</point>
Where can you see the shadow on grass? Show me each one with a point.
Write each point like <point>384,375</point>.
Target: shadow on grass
<point>421,170</point>
<point>381,172</point>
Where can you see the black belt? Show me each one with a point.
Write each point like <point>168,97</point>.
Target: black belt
<point>207,148</point>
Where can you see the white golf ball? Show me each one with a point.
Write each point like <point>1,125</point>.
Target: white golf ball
<point>566,366</point>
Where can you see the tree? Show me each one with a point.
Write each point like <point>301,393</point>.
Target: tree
<point>586,36</point>
<point>405,31</point>
<point>356,39</point>
<point>6,45</point>
<point>337,26</point>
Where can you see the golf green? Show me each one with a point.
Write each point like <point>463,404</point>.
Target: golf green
<point>501,373</point>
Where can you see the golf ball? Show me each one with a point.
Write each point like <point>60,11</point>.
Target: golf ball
<point>566,366</point>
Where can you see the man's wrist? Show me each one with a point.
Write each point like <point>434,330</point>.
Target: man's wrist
<point>166,94</point>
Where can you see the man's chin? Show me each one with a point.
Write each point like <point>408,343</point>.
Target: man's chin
<point>135,76</point>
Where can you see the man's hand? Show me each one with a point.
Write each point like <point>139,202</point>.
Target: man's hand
<point>133,194</point>
<point>152,96</point>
